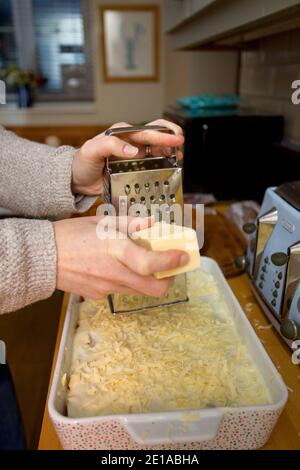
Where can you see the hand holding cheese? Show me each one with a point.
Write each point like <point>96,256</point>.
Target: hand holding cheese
<point>94,267</point>
<point>162,236</point>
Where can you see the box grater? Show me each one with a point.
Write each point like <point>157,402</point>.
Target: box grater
<point>140,187</point>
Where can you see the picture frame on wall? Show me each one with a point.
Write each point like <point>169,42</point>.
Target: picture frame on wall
<point>130,42</point>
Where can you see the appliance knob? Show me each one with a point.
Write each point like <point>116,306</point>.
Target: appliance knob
<point>289,329</point>
<point>249,228</point>
<point>279,259</point>
<point>241,262</point>
<point>277,284</point>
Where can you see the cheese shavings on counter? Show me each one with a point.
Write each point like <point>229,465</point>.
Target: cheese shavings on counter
<point>188,356</point>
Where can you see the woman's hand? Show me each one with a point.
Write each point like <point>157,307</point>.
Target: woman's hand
<point>93,267</point>
<point>88,163</point>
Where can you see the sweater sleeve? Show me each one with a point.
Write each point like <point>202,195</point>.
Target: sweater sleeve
<point>27,262</point>
<point>35,179</point>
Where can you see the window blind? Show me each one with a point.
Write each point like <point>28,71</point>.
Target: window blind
<point>8,53</point>
<point>52,38</point>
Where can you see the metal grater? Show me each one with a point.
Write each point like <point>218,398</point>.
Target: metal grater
<point>146,181</point>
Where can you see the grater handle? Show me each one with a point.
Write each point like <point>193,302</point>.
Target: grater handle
<point>126,130</point>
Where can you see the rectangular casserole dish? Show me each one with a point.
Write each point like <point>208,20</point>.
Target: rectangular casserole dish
<point>246,427</point>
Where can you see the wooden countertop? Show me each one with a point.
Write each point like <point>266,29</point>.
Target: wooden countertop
<point>286,435</point>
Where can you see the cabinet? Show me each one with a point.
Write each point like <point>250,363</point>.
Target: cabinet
<point>179,11</point>
<point>231,153</point>
<point>231,23</point>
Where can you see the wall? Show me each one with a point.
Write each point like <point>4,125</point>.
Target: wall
<point>181,73</point>
<point>194,72</point>
<point>267,73</point>
<point>133,102</point>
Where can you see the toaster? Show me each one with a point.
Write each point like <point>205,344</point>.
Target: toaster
<point>273,258</point>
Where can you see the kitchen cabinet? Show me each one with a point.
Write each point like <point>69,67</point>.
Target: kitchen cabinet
<point>231,153</point>
<point>222,24</point>
<point>179,11</point>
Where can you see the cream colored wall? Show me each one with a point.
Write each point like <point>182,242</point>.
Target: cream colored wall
<point>194,72</point>
<point>267,74</point>
<point>181,73</point>
<point>133,102</point>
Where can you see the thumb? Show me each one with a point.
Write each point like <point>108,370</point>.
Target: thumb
<point>104,146</point>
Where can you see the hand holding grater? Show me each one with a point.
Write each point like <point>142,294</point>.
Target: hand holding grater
<point>141,187</point>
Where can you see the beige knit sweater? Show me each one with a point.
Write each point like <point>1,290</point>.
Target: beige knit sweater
<point>35,182</point>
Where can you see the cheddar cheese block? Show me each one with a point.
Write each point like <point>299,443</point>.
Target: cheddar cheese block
<point>162,236</point>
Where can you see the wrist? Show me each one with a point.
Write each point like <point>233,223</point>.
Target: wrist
<point>75,183</point>
<point>83,177</point>
<point>61,234</point>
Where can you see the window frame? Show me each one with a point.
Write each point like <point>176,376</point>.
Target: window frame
<point>24,34</point>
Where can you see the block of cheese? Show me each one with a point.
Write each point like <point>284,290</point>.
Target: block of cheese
<point>162,236</point>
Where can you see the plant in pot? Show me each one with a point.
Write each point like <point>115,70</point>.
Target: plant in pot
<point>23,81</point>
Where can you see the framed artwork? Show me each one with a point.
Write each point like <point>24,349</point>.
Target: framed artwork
<point>130,42</point>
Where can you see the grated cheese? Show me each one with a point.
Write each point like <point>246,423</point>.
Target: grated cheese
<point>249,307</point>
<point>264,327</point>
<point>187,356</point>
<point>64,380</point>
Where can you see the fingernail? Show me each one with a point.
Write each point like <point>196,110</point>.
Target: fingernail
<point>184,259</point>
<point>130,150</point>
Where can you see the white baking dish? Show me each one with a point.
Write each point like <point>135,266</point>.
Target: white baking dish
<point>209,428</point>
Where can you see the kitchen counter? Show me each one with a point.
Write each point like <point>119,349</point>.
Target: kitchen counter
<point>287,432</point>
<point>286,435</point>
